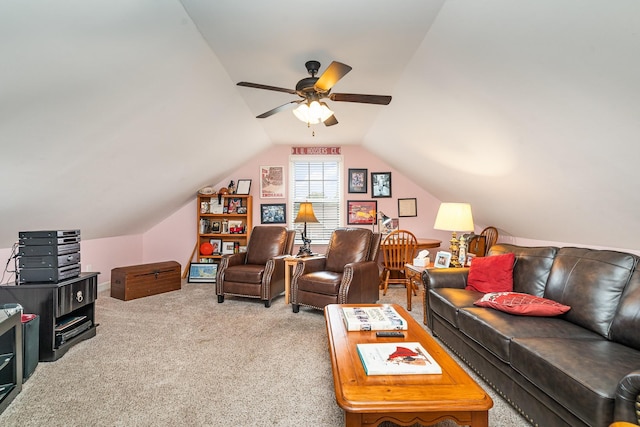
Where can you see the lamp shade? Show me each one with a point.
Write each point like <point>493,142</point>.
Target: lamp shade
<point>454,217</point>
<point>313,113</point>
<point>305,213</point>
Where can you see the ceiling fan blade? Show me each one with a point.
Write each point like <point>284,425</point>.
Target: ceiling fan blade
<point>278,109</point>
<point>331,121</point>
<point>266,87</point>
<point>364,99</point>
<point>331,75</point>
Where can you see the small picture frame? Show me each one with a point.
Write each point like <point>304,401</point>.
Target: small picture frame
<point>233,205</point>
<point>470,258</point>
<point>201,272</point>
<point>243,187</point>
<point>380,184</point>
<point>362,212</point>
<point>358,180</point>
<point>273,213</point>
<point>215,227</point>
<point>217,246</point>
<point>442,260</point>
<point>228,247</point>
<point>407,207</point>
<point>241,210</point>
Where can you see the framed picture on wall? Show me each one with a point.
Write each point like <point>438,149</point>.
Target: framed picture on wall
<point>361,212</point>
<point>275,213</point>
<point>358,180</point>
<point>272,182</point>
<point>407,207</point>
<point>380,184</point>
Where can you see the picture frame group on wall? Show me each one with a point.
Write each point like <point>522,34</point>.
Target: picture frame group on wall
<point>358,180</point>
<point>380,184</point>
<point>273,213</point>
<point>362,212</point>
<point>407,207</point>
<point>202,272</point>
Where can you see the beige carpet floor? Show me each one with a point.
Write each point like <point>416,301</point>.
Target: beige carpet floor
<point>180,358</point>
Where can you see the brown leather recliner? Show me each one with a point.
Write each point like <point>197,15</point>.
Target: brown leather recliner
<point>348,273</point>
<point>258,272</point>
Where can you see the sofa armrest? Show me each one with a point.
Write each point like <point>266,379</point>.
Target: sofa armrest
<point>628,399</point>
<point>445,278</point>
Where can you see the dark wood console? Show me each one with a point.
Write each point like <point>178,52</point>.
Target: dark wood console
<point>63,307</point>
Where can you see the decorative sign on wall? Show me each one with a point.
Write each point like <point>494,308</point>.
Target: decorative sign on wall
<point>309,151</point>
<point>271,182</point>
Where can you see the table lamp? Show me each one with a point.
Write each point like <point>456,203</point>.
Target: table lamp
<point>305,214</point>
<point>454,217</point>
<point>382,222</point>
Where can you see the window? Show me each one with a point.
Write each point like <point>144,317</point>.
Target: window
<point>318,180</point>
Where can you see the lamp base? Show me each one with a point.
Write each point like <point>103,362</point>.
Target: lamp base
<point>305,249</point>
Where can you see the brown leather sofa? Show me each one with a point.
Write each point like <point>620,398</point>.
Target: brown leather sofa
<point>581,368</point>
<point>348,273</point>
<point>258,272</point>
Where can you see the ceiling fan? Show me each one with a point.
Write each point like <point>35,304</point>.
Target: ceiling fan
<point>310,108</point>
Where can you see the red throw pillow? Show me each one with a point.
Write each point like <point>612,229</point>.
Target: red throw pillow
<point>491,274</point>
<point>522,304</point>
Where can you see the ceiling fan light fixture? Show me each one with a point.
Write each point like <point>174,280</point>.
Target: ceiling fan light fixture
<point>313,113</point>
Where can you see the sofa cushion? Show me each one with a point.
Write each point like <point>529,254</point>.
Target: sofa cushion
<point>581,374</point>
<point>491,274</point>
<point>320,282</point>
<point>624,328</point>
<point>522,304</point>
<point>494,330</point>
<point>244,273</point>
<point>446,302</point>
<point>532,266</point>
<point>591,282</point>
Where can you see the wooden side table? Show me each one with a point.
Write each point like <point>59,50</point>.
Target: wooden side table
<point>414,275</point>
<point>289,263</point>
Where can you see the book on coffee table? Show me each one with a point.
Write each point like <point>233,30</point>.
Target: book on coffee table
<point>373,319</point>
<point>398,358</point>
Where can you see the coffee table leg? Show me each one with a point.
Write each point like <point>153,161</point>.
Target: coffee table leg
<point>352,420</point>
<point>480,419</point>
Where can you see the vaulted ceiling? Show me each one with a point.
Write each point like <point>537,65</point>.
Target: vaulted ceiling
<point>113,112</point>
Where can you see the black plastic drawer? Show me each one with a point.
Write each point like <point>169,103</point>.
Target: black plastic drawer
<point>75,295</point>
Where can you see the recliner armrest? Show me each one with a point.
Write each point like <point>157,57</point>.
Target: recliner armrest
<point>445,278</point>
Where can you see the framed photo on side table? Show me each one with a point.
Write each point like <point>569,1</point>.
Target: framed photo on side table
<point>358,180</point>
<point>202,272</point>
<point>407,207</point>
<point>361,212</point>
<point>442,260</point>
<point>380,184</point>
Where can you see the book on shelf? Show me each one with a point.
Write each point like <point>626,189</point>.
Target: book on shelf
<point>373,319</point>
<point>400,358</point>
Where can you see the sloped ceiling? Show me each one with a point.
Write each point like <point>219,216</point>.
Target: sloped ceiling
<point>113,112</point>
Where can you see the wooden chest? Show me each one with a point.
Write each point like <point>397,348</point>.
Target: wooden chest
<point>137,281</point>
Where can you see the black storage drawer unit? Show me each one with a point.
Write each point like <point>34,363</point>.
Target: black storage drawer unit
<point>75,295</point>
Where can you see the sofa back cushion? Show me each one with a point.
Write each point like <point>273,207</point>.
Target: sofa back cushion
<point>531,268</point>
<point>591,282</point>
<point>626,322</point>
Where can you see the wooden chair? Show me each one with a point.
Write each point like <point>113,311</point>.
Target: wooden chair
<point>398,249</point>
<point>491,237</point>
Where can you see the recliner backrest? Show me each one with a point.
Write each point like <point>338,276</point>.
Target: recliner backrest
<point>266,242</point>
<point>348,245</point>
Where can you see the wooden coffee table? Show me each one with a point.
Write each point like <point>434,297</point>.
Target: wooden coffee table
<point>403,399</point>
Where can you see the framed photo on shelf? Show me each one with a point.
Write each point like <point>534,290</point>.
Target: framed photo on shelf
<point>215,227</point>
<point>380,184</point>
<point>233,205</point>
<point>243,187</point>
<point>217,246</point>
<point>272,182</point>
<point>407,207</point>
<point>202,272</point>
<point>361,212</point>
<point>275,213</point>
<point>443,259</point>
<point>358,180</point>
<point>228,247</point>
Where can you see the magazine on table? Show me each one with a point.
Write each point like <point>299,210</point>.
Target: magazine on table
<point>401,358</point>
<point>373,319</point>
